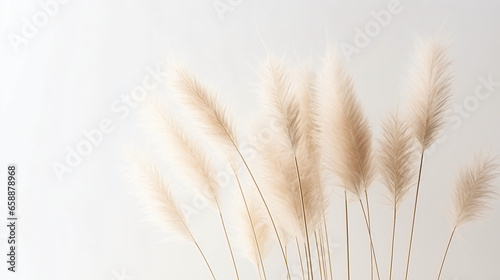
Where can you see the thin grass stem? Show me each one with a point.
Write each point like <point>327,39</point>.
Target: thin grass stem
<point>414,215</point>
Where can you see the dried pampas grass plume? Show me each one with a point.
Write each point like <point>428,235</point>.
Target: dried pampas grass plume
<point>474,189</point>
<point>279,179</point>
<point>159,203</point>
<point>431,86</point>
<point>216,122</point>
<point>431,98</point>
<point>396,158</point>
<point>473,192</point>
<point>345,132</point>
<point>315,199</point>
<point>284,109</point>
<point>188,153</point>
<point>281,100</point>
<point>255,231</point>
<point>346,139</point>
<point>190,157</point>
<point>213,117</point>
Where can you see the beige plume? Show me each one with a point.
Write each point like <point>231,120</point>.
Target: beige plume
<point>473,189</point>
<point>261,228</point>
<point>431,86</point>
<point>281,100</point>
<point>213,117</point>
<point>473,192</point>
<point>345,132</point>
<point>315,199</point>
<point>184,150</point>
<point>159,203</point>
<point>396,157</point>
<point>397,160</point>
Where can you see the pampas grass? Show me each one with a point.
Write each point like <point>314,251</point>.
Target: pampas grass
<point>255,232</point>
<point>472,194</point>
<point>320,132</point>
<point>285,110</point>
<point>431,85</point>
<point>190,156</point>
<point>160,205</point>
<point>346,135</point>
<point>396,164</point>
<point>345,132</point>
<point>215,121</point>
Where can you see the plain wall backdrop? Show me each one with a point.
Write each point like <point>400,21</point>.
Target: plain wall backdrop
<point>66,66</point>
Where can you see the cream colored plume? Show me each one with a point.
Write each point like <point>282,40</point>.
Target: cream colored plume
<point>345,133</point>
<point>474,187</point>
<point>183,149</point>
<point>431,86</point>
<point>315,199</point>
<point>280,188</point>
<point>255,230</point>
<point>213,117</point>
<point>160,205</point>
<point>397,157</point>
<point>281,100</point>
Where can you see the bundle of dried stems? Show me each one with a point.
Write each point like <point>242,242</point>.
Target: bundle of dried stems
<point>320,131</point>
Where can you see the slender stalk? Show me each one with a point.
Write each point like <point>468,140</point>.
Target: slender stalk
<point>321,271</point>
<point>203,255</point>
<point>392,246</point>
<point>227,239</point>
<point>414,214</point>
<point>308,245</point>
<point>251,223</point>
<point>370,235</point>
<point>300,259</point>
<point>369,225</point>
<point>286,253</point>
<point>323,254</point>
<point>260,269</point>
<point>347,236</point>
<point>267,209</point>
<point>307,262</point>
<point>446,252</point>
<point>328,247</point>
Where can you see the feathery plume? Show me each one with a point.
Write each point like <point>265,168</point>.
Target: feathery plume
<point>188,153</point>
<point>315,200</point>
<point>345,132</point>
<point>256,246</point>
<point>191,156</point>
<point>431,86</point>
<point>159,203</point>
<point>473,191</point>
<point>214,118</point>
<point>431,83</point>
<point>216,122</point>
<point>281,100</point>
<point>279,180</point>
<point>284,109</point>
<point>346,135</point>
<point>396,157</point>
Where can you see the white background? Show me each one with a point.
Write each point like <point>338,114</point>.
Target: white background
<point>63,81</point>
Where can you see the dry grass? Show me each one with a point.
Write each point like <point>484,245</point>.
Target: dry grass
<point>320,131</point>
